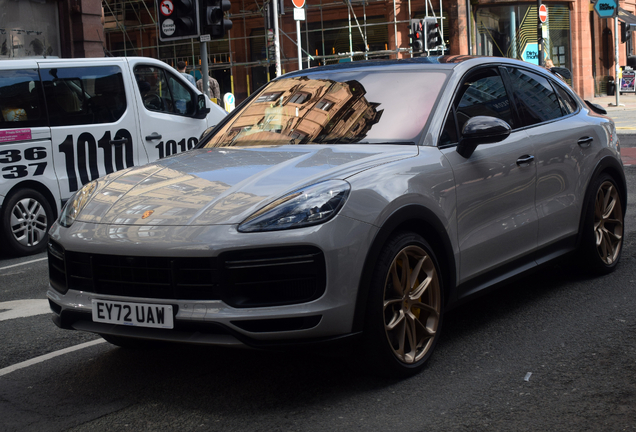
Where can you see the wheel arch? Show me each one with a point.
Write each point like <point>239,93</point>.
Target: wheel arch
<point>611,166</point>
<point>37,186</point>
<point>422,221</point>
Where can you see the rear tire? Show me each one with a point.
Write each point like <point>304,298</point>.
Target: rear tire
<point>404,311</point>
<point>602,237</point>
<point>26,218</point>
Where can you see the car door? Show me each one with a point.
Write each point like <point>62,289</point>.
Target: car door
<point>563,142</point>
<point>92,121</point>
<point>167,111</point>
<point>495,186</point>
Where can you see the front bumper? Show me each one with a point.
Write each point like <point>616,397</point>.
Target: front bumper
<point>343,243</point>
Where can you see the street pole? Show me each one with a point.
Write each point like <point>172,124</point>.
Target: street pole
<point>539,34</point>
<point>300,54</point>
<point>617,82</point>
<point>276,39</point>
<point>204,67</point>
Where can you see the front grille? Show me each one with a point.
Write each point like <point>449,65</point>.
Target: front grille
<point>254,278</point>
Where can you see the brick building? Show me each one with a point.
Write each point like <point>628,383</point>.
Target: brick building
<point>334,31</point>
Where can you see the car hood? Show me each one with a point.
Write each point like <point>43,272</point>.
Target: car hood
<point>225,185</point>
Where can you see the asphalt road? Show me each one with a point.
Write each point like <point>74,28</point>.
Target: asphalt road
<point>553,352</point>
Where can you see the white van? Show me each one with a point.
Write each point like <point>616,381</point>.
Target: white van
<point>66,122</point>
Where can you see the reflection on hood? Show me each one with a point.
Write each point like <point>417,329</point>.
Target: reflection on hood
<point>300,110</point>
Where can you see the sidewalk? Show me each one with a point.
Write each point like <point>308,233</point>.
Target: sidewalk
<point>626,100</point>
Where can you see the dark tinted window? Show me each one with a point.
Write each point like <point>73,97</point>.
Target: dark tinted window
<point>161,91</point>
<point>568,104</point>
<point>21,102</point>
<point>84,95</point>
<point>482,94</point>
<point>534,97</point>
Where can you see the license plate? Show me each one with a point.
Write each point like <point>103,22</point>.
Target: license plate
<point>133,314</point>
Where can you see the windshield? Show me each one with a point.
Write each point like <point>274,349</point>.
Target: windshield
<point>336,108</point>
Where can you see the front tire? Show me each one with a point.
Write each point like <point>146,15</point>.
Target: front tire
<point>602,241</point>
<point>26,218</point>
<point>404,313</point>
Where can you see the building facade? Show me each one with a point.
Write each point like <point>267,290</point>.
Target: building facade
<point>334,31</point>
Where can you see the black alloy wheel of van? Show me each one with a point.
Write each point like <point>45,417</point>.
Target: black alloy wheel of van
<point>26,218</point>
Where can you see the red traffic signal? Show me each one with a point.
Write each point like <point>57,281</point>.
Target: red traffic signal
<point>417,36</point>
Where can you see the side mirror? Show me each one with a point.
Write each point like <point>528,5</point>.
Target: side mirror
<point>481,130</point>
<point>202,108</point>
<point>564,72</point>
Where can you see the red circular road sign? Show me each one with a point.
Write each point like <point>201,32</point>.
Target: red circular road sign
<point>543,13</point>
<point>298,3</point>
<point>166,7</point>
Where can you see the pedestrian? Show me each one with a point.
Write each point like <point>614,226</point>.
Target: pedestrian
<point>181,67</point>
<point>549,64</point>
<point>215,91</point>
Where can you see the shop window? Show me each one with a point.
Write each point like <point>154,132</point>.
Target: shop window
<point>21,103</point>
<point>84,95</point>
<point>534,97</point>
<point>503,31</point>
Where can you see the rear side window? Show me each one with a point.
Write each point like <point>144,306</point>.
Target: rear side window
<point>534,97</point>
<point>84,95</point>
<point>21,102</point>
<point>161,91</point>
<point>568,104</point>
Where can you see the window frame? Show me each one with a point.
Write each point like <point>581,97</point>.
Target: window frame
<point>166,75</point>
<point>497,68</point>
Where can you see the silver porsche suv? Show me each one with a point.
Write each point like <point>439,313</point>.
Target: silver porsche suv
<point>353,203</point>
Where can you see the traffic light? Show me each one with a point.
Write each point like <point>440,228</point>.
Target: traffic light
<point>626,32</point>
<point>432,36</point>
<point>213,21</point>
<point>417,36</point>
<point>178,19</point>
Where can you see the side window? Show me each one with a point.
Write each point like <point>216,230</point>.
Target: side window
<point>161,91</point>
<point>482,94</point>
<point>84,95</point>
<point>568,104</point>
<point>21,102</point>
<point>534,97</point>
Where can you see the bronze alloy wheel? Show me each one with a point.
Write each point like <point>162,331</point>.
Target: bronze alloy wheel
<point>608,223</point>
<point>412,304</point>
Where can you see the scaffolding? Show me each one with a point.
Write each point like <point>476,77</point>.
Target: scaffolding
<point>130,28</point>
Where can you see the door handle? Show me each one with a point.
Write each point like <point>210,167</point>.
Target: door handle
<point>525,160</point>
<point>118,142</point>
<point>154,136</point>
<point>585,142</point>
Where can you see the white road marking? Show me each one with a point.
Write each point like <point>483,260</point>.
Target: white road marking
<point>23,263</point>
<point>49,356</point>
<point>23,308</point>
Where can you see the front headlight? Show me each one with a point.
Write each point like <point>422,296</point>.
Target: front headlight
<point>311,205</point>
<point>75,205</point>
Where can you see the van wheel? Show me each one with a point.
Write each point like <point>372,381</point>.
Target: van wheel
<point>26,218</point>
<point>404,313</point>
<point>602,237</point>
